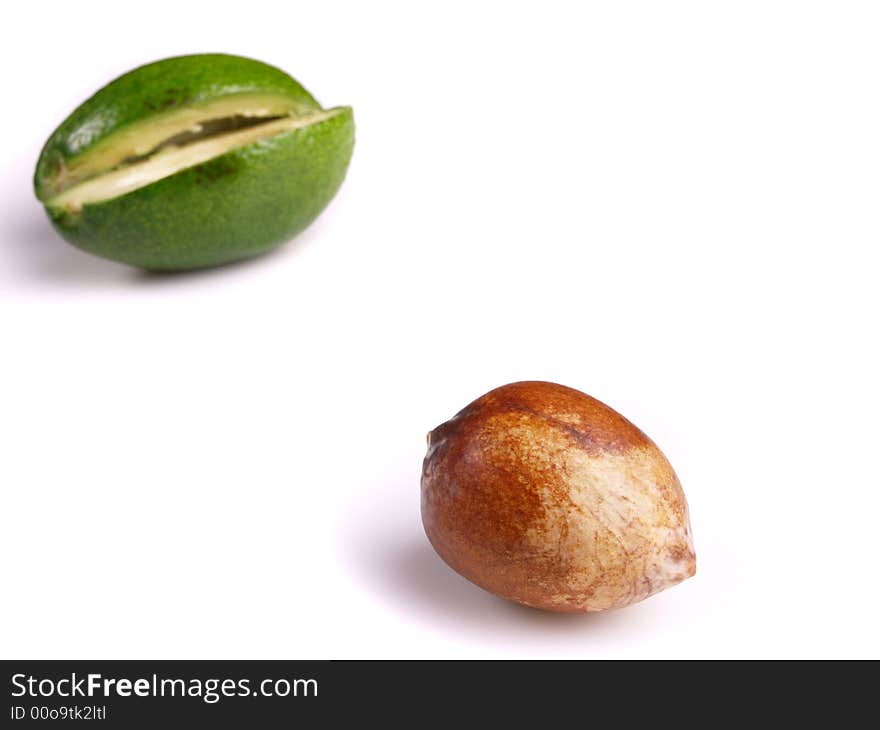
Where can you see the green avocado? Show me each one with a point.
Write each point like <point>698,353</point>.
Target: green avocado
<point>192,162</point>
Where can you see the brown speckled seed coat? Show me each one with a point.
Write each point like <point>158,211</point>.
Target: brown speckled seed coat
<point>546,496</point>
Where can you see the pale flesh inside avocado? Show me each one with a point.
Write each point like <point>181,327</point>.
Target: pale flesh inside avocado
<point>163,145</point>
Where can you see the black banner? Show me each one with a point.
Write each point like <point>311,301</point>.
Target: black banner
<point>133,694</point>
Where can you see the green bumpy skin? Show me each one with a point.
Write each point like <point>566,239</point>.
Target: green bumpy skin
<point>233,206</point>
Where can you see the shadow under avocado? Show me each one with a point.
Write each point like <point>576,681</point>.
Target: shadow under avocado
<point>37,249</point>
<point>402,569</point>
<point>42,254</point>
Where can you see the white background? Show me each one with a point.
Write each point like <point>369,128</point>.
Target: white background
<point>671,206</point>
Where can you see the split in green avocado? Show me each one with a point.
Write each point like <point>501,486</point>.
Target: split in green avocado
<point>193,161</point>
